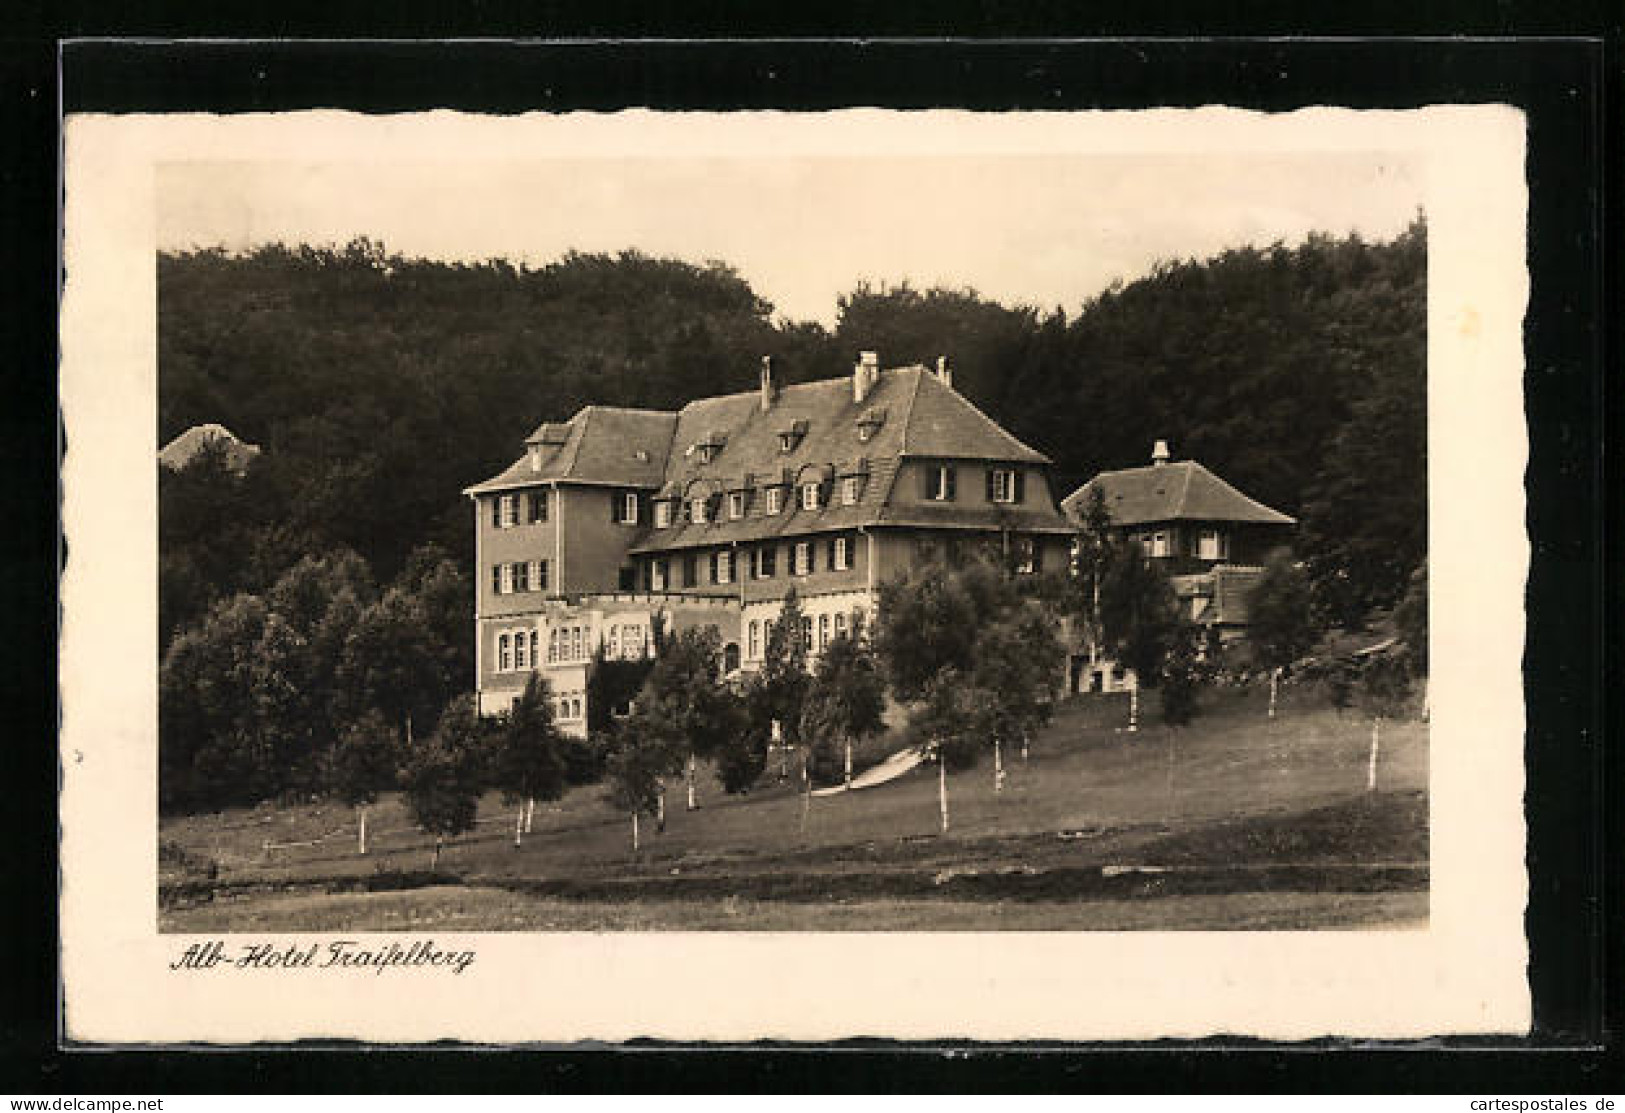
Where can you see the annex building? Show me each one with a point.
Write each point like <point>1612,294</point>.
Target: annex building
<point>1209,537</point>
<point>709,515</point>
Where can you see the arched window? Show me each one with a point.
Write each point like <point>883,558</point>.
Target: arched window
<point>521,659</point>
<point>840,624</point>
<point>575,708</point>
<point>552,645</point>
<point>614,641</point>
<point>823,632</point>
<point>755,644</point>
<point>504,653</point>
<point>535,657</point>
<point>577,640</point>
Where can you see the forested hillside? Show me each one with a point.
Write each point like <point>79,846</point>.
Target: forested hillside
<point>379,386</point>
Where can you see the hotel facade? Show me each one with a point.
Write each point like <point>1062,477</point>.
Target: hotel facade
<point>619,520</point>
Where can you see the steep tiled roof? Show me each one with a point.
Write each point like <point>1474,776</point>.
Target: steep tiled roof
<point>1183,491</point>
<point>730,443</point>
<point>600,444</point>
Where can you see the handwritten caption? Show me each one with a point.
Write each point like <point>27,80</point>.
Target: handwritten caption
<point>334,954</point>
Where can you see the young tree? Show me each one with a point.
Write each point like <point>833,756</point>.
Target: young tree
<point>364,762</point>
<point>1093,557</point>
<point>1138,617</point>
<point>682,711</point>
<point>1280,612</point>
<point>949,716</point>
<point>779,688</point>
<point>527,757</point>
<point>638,762</point>
<point>1018,663</point>
<point>444,775</point>
<point>1384,690</point>
<point>843,705</point>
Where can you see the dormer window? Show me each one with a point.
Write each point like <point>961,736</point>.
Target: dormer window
<point>736,505</point>
<point>697,511</point>
<point>775,500</point>
<point>851,490</point>
<point>810,493</point>
<point>662,514</point>
<point>1004,485</point>
<point>535,457</point>
<point>791,436</point>
<point>869,424</point>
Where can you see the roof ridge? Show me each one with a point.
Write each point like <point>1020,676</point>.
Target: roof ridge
<point>639,410</point>
<point>1185,492</point>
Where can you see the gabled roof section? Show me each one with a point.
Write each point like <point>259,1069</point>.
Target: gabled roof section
<point>600,444</point>
<point>1183,491</point>
<point>942,422</point>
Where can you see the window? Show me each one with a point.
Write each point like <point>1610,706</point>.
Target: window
<point>1003,485</point>
<point>841,554</point>
<point>1212,545</point>
<point>1159,543</point>
<point>809,496</point>
<point>803,558</point>
<point>736,504</point>
<point>823,632</point>
<point>725,566</point>
<point>538,575</point>
<point>806,632</point>
<point>575,707</point>
<point>504,653</point>
<point>633,645</point>
<point>535,644</point>
<point>787,442</point>
<point>697,511</point>
<point>496,579</point>
<point>627,508</point>
<point>851,489</point>
<point>521,576</point>
<point>521,653</point>
<point>506,586</point>
<point>939,483</point>
<point>775,499</point>
<point>1026,555</point>
<point>767,559</point>
<point>840,624</point>
<point>538,506</point>
<point>691,569</point>
<point>662,514</point>
<point>577,639</point>
<point>657,575</point>
<point>509,513</point>
<point>755,644</point>
<point>552,645</point>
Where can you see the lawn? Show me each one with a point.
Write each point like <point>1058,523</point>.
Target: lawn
<point>1235,804</point>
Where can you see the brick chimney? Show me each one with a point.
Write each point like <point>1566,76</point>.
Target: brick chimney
<point>1160,454</point>
<point>769,391</point>
<point>865,375</point>
<point>944,372</point>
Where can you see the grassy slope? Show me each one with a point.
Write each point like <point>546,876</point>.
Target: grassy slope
<point>1244,790</point>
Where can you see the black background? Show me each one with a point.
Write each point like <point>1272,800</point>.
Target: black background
<point>1570,90</point>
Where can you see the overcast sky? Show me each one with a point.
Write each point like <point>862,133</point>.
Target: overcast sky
<point>1045,230</point>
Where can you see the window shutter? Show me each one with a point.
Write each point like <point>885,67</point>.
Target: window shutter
<point>615,498</point>
<point>541,575</point>
<point>991,472</point>
<point>951,482</point>
<point>1021,485</point>
<point>496,579</point>
<point>928,477</point>
<point>496,512</point>
<point>830,562</point>
<point>713,561</point>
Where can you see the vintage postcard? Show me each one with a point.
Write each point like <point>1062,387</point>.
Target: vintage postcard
<point>1023,576</point>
